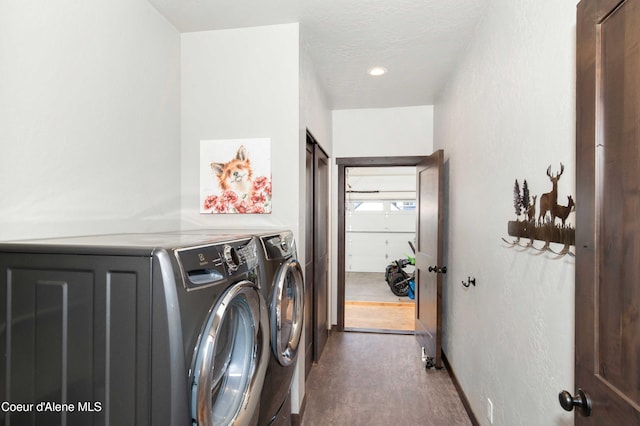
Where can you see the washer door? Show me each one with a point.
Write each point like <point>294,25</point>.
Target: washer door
<point>230,359</point>
<point>287,312</point>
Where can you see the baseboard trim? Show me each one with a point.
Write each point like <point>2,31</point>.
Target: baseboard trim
<point>463,396</point>
<point>385,304</point>
<point>377,331</point>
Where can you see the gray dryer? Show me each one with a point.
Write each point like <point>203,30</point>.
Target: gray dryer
<point>284,292</point>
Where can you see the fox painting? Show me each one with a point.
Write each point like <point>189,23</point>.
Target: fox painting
<point>235,175</point>
<point>239,185</point>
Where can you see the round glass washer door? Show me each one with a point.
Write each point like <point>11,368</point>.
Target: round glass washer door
<point>230,359</point>
<point>287,312</point>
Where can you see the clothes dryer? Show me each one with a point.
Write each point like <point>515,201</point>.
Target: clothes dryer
<point>145,329</point>
<point>284,292</point>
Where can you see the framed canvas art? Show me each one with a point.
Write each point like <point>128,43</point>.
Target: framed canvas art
<point>235,176</point>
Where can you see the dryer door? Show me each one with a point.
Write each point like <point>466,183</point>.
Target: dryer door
<point>287,311</point>
<point>230,359</point>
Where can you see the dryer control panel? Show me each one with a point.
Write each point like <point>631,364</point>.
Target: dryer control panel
<point>207,265</point>
<point>279,246</point>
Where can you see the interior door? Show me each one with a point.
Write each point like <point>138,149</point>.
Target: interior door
<point>429,267</point>
<point>317,253</point>
<point>308,267</point>
<point>607,313</point>
<point>321,251</point>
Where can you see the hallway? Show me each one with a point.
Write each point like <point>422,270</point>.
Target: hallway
<point>378,379</point>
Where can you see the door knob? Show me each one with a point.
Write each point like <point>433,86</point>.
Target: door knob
<point>582,401</point>
<point>436,269</point>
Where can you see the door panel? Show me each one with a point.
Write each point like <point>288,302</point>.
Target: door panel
<point>317,253</point>
<point>308,268</point>
<point>372,252</point>
<point>608,221</point>
<point>321,251</point>
<point>430,185</point>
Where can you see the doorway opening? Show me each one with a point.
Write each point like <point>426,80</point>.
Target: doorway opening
<point>380,209</point>
<point>346,200</point>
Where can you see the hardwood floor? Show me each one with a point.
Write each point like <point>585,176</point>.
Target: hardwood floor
<point>395,316</point>
<point>370,304</point>
<point>378,379</point>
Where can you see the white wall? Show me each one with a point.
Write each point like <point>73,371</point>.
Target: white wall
<point>253,83</point>
<point>383,132</point>
<point>237,84</point>
<point>89,118</point>
<point>315,114</point>
<point>508,112</point>
<point>389,132</point>
<point>315,117</point>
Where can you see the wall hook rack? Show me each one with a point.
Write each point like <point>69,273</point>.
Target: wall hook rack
<point>542,226</point>
<point>546,247</point>
<point>470,281</point>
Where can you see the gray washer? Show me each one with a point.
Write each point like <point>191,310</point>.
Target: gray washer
<point>130,328</point>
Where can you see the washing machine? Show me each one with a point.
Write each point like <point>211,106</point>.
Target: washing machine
<point>284,293</point>
<point>144,329</point>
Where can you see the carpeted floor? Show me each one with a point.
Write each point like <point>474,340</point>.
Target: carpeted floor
<point>378,379</point>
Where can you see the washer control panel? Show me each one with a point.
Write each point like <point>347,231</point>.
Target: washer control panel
<point>279,246</point>
<point>231,258</point>
<point>207,265</point>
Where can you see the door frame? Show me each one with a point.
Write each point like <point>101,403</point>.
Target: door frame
<point>342,164</point>
<point>314,343</point>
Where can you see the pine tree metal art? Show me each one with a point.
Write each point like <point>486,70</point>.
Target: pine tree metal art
<point>550,226</point>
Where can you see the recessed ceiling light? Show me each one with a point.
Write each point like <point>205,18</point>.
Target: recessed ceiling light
<point>377,71</point>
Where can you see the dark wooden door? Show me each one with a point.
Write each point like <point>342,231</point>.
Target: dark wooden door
<point>308,268</point>
<point>320,251</point>
<point>317,253</point>
<point>607,312</point>
<point>429,267</point>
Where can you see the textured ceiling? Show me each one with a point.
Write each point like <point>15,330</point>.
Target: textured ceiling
<point>418,41</point>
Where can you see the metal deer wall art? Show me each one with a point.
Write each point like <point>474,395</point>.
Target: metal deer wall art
<point>550,199</point>
<point>550,225</point>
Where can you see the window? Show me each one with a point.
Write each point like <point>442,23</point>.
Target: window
<point>368,206</point>
<point>404,205</point>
